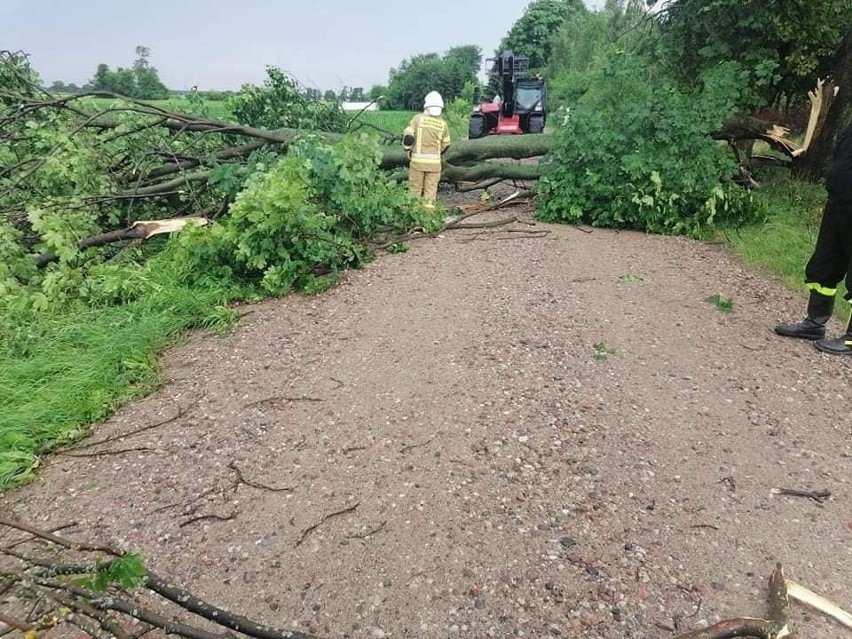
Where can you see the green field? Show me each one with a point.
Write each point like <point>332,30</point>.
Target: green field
<point>213,109</point>
<point>396,121</point>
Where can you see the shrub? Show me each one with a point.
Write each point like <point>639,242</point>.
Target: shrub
<point>314,213</point>
<point>638,153</point>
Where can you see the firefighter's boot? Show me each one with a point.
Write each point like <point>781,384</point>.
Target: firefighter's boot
<point>812,327</point>
<point>840,346</point>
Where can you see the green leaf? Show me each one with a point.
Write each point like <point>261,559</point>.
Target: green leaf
<point>723,304</point>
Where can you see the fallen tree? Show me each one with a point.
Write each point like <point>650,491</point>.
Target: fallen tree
<point>466,160</point>
<point>150,163</point>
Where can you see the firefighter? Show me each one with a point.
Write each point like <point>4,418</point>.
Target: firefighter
<point>832,257</point>
<point>425,138</point>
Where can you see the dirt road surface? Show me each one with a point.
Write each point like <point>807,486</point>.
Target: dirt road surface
<point>532,437</point>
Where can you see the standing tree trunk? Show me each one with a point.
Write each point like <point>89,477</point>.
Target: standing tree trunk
<point>812,164</point>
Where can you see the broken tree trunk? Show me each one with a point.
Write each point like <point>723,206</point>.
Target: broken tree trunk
<point>748,128</point>
<point>465,161</point>
<point>838,114</point>
<point>821,98</point>
<point>141,230</point>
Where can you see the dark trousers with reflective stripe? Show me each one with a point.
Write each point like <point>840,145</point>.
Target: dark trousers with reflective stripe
<point>832,257</point>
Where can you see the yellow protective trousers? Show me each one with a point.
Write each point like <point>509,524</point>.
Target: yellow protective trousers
<point>423,184</point>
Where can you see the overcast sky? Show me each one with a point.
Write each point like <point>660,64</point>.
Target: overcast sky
<point>222,44</point>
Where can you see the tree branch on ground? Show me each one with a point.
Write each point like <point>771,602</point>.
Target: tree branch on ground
<point>53,575</point>
<point>141,230</point>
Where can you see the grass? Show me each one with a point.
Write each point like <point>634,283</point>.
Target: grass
<point>603,351</point>
<point>783,243</point>
<point>723,304</point>
<point>75,368</point>
<point>394,121</point>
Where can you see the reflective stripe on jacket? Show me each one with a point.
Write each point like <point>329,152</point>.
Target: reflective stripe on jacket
<point>431,138</point>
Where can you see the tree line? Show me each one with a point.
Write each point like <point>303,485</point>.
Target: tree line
<point>141,80</point>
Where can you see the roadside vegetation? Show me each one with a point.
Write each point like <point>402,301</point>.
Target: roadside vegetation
<point>81,325</point>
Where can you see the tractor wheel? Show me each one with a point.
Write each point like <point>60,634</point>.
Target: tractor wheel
<point>476,127</point>
<point>536,124</point>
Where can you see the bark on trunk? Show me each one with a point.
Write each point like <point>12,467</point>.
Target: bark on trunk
<point>463,152</point>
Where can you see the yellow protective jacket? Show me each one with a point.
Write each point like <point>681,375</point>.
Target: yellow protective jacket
<point>431,138</point>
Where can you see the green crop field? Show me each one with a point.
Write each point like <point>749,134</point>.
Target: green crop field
<point>213,109</point>
<point>393,121</point>
<point>396,121</point>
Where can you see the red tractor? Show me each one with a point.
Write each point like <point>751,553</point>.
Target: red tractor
<point>520,108</point>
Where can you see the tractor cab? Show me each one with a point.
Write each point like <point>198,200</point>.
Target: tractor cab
<point>530,99</point>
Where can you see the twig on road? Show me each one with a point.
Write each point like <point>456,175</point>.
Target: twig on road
<point>205,517</point>
<point>181,412</point>
<point>277,399</point>
<point>241,479</point>
<point>409,447</point>
<point>307,531</point>
<point>105,453</point>
<point>818,496</point>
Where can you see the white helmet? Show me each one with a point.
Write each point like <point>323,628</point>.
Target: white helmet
<point>434,103</point>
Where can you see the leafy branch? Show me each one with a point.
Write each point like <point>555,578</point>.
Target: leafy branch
<point>64,584</point>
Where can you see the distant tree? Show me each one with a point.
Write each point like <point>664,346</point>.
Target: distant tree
<point>57,87</point>
<point>103,79</point>
<point>468,56</point>
<point>313,94</point>
<point>329,96</point>
<point>214,95</point>
<point>624,18</point>
<point>124,82</point>
<point>414,78</point>
<point>140,81</point>
<point>531,35</point>
<point>377,91</point>
<point>357,94</point>
<point>585,38</point>
<point>148,84</point>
